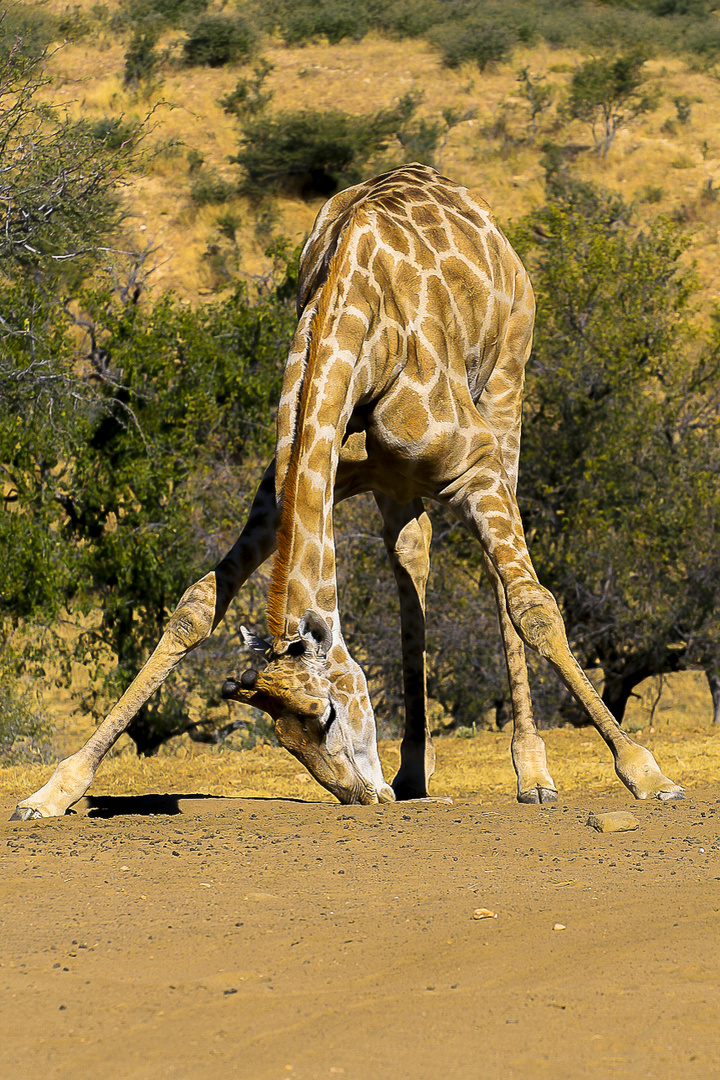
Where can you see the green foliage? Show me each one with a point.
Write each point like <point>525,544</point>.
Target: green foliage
<point>115,133</point>
<point>477,40</point>
<point>249,97</point>
<point>618,482</point>
<point>164,12</point>
<point>216,40</point>
<point>25,31</point>
<point>477,31</point>
<point>120,456</point>
<point>141,60</point>
<point>209,188</point>
<point>181,397</point>
<point>334,20</point>
<point>410,18</point>
<point>315,152</point>
<point>120,506</point>
<point>49,161</point>
<point>538,94</point>
<point>608,93</point>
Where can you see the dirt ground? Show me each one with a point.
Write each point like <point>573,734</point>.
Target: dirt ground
<point>191,935</point>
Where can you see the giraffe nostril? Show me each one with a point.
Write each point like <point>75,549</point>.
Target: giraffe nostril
<point>248,678</point>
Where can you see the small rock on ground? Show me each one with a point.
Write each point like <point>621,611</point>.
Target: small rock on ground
<point>615,821</point>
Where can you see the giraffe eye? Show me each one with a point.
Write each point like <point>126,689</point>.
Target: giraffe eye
<point>331,717</point>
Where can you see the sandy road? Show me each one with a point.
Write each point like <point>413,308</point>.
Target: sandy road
<point>180,937</point>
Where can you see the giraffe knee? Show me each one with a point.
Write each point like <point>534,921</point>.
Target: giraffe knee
<point>535,616</point>
<point>192,620</point>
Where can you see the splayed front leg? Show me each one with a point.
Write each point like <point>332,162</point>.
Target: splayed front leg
<point>540,625</point>
<point>68,783</point>
<point>640,772</point>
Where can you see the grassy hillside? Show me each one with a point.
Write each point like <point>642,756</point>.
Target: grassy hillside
<point>661,163</point>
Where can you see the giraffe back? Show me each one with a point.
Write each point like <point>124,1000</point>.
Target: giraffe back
<point>438,279</point>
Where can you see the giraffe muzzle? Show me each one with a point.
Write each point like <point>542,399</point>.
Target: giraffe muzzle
<point>248,679</point>
<point>231,687</point>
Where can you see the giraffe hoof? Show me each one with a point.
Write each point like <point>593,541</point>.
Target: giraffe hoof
<point>538,795</point>
<point>669,796</point>
<point>24,813</point>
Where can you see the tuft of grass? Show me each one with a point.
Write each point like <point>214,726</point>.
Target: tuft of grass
<point>209,188</point>
<point>652,193</point>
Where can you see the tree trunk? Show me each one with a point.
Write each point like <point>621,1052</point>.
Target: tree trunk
<point>503,715</point>
<point>617,690</point>
<point>714,684</point>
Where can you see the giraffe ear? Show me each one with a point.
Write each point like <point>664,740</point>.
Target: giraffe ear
<point>257,644</point>
<point>315,632</point>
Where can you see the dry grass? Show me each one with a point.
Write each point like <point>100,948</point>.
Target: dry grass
<point>373,74</point>
<point>579,762</point>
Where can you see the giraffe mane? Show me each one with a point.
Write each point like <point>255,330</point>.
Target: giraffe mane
<point>278,591</point>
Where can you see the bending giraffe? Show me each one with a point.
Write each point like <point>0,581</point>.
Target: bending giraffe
<point>404,378</point>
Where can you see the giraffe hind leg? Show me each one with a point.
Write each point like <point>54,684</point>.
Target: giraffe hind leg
<point>486,502</point>
<point>540,624</point>
<point>529,757</point>
<point>407,534</point>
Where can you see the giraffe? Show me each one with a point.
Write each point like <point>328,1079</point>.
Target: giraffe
<point>404,378</point>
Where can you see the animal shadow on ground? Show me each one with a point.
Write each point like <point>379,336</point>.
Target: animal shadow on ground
<point>110,806</point>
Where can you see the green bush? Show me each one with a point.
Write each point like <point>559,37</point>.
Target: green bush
<point>486,30</point>
<point>141,60</point>
<point>331,19</point>
<point>26,30</point>
<point>217,40</point>
<point>315,152</point>
<point>704,42</point>
<point>412,18</point>
<point>474,40</point>
<point>620,439</point>
<point>113,132</point>
<point>169,12</point>
<point>208,188</point>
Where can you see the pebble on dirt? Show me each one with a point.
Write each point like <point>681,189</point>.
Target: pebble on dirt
<point>616,821</point>
<point>483,913</point>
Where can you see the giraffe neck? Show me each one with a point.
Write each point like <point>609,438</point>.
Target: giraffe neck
<point>304,570</point>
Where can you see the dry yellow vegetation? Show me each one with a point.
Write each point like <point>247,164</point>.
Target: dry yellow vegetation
<point>480,766</point>
<point>662,165</point>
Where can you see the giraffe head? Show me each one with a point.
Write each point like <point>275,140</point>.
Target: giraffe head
<point>317,696</point>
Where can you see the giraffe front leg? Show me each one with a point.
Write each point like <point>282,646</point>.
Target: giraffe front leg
<point>190,624</point>
<point>407,533</point>
<point>484,499</point>
<point>200,610</point>
<point>535,614</point>
<point>529,757</point>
